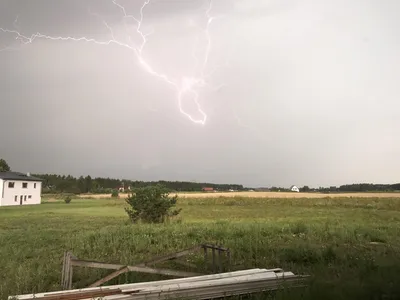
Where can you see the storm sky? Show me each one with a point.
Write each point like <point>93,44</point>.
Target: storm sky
<point>304,92</point>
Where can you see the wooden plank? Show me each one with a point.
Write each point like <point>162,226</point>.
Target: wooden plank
<point>63,270</point>
<point>110,276</point>
<point>228,253</point>
<point>210,292</point>
<point>131,287</point>
<point>166,272</point>
<point>78,295</point>
<point>207,293</point>
<point>220,260</point>
<point>101,265</point>
<point>124,269</point>
<point>67,270</point>
<point>155,283</point>
<point>217,288</point>
<point>210,246</point>
<point>95,264</point>
<point>185,263</point>
<point>170,256</point>
<point>213,283</point>
<point>142,267</point>
<point>70,276</point>
<point>213,260</point>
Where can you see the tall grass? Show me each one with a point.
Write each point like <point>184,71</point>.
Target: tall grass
<point>349,246</point>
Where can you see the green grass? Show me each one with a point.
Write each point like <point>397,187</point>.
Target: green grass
<point>350,247</point>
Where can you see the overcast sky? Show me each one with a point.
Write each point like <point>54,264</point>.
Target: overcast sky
<point>305,92</point>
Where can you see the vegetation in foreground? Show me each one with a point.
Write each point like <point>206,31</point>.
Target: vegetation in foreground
<point>349,246</point>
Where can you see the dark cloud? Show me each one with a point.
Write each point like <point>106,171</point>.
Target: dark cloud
<point>304,93</point>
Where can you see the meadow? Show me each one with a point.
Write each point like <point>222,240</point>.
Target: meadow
<point>349,245</point>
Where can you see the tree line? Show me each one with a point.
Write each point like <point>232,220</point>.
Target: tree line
<point>364,187</point>
<point>53,183</point>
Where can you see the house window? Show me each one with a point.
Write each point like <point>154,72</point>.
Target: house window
<point>16,198</point>
<point>21,197</point>
<point>25,198</point>
<point>24,185</point>
<point>11,185</point>
<point>30,197</point>
<point>34,185</point>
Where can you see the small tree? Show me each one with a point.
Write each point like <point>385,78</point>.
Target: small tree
<point>4,167</point>
<point>305,189</point>
<point>114,194</point>
<point>151,204</point>
<point>67,199</point>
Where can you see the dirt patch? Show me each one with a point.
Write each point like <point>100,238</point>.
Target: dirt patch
<point>263,195</point>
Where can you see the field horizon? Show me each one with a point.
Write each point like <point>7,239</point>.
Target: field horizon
<point>262,195</point>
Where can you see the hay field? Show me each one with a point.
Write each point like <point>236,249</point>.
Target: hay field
<point>264,195</point>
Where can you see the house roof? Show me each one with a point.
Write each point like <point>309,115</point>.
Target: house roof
<point>18,176</point>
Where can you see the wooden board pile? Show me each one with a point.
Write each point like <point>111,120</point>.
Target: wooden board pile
<point>199,287</point>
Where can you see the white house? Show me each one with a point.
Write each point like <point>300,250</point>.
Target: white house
<point>294,188</point>
<point>19,189</point>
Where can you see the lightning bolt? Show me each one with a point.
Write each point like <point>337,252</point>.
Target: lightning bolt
<point>185,86</point>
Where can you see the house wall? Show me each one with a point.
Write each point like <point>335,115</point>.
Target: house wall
<point>295,189</point>
<point>30,195</point>
<point>1,189</point>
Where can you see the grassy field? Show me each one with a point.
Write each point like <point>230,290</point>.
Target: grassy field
<point>350,246</point>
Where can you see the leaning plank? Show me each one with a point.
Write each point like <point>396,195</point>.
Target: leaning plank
<point>153,261</point>
<point>210,246</point>
<point>101,265</point>
<point>110,276</point>
<point>171,256</point>
<point>185,263</point>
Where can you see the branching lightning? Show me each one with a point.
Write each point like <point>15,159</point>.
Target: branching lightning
<point>185,86</point>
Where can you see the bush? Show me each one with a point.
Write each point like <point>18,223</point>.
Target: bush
<point>114,194</point>
<point>151,204</point>
<point>67,199</point>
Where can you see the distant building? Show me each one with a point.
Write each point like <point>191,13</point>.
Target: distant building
<point>123,188</point>
<point>19,189</point>
<point>207,189</point>
<point>294,188</point>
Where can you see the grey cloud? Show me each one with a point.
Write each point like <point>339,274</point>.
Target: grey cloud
<point>309,93</point>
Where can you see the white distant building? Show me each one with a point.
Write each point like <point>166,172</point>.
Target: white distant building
<point>294,188</point>
<point>19,189</point>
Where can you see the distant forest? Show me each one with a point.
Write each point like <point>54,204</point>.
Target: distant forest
<point>364,187</point>
<point>68,184</point>
<point>53,183</point>
<point>348,188</point>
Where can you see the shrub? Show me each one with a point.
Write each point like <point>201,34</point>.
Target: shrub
<point>67,199</point>
<point>151,204</point>
<point>114,194</point>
